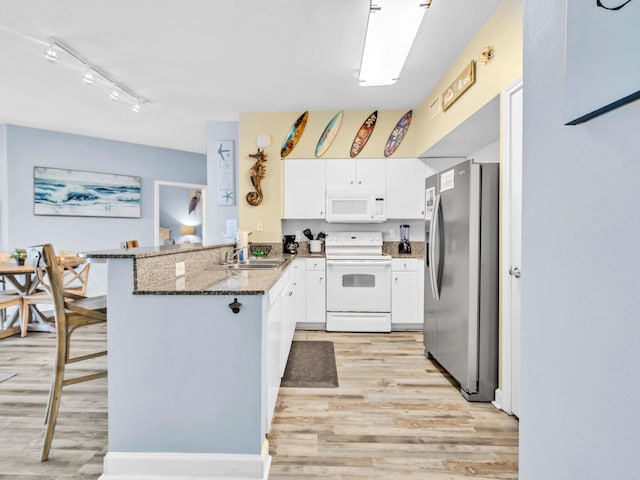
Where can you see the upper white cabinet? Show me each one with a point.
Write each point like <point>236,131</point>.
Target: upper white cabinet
<point>405,187</point>
<point>304,188</point>
<point>356,173</point>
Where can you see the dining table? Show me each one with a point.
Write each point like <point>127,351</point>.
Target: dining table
<point>26,282</point>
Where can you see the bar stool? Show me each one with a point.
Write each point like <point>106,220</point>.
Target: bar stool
<point>69,315</point>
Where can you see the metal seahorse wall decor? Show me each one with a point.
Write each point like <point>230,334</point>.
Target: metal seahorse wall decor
<point>258,171</point>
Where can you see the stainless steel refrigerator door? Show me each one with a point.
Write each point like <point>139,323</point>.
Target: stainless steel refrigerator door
<point>456,332</point>
<point>430,307</point>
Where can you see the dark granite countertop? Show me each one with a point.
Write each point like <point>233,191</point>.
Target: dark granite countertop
<point>212,281</point>
<point>143,252</point>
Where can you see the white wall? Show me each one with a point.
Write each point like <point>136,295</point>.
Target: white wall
<point>217,215</point>
<point>581,270</point>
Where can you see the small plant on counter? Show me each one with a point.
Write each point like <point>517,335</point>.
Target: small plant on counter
<point>19,255</point>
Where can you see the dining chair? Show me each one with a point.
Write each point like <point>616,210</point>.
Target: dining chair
<point>69,315</point>
<point>8,301</point>
<point>75,279</point>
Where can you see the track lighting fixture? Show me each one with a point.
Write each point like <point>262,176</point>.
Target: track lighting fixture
<point>51,54</point>
<point>90,72</point>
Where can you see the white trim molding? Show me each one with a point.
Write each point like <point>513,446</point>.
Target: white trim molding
<point>186,466</point>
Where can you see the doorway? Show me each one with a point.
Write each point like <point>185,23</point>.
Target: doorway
<point>179,213</point>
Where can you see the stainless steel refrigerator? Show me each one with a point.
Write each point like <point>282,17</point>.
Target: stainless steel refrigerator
<point>461,276</point>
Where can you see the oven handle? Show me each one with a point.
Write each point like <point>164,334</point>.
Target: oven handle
<point>358,263</point>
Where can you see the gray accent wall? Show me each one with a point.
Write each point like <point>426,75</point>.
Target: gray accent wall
<point>28,147</point>
<point>580,273</point>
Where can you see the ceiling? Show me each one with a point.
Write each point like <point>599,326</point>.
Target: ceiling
<point>207,60</point>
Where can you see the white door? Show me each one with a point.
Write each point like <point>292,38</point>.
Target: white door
<point>516,244</point>
<point>509,400</point>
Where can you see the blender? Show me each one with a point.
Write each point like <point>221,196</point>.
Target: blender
<point>404,246</point>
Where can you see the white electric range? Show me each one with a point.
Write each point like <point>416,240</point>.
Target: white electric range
<point>358,283</point>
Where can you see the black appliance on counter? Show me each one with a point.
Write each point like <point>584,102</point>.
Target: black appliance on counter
<point>290,245</point>
<point>404,246</point>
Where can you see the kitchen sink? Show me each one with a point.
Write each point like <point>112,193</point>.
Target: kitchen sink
<point>254,264</point>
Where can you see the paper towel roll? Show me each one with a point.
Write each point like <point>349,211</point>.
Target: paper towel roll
<point>243,239</point>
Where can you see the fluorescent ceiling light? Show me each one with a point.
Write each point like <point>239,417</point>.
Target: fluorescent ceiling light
<point>392,28</point>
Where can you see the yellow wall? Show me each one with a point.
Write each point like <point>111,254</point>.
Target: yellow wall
<point>277,125</point>
<point>503,30</point>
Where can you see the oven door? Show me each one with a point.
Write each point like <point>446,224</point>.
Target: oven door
<point>358,285</point>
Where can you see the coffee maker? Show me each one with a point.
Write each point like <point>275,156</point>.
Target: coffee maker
<point>404,246</point>
<point>290,245</point>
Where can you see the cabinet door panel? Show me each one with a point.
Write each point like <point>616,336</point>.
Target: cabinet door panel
<point>370,173</point>
<point>405,188</point>
<point>341,173</point>
<point>304,188</point>
<point>316,297</point>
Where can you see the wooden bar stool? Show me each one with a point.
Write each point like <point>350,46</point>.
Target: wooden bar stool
<point>69,315</point>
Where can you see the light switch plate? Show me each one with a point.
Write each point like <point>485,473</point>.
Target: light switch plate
<point>180,268</point>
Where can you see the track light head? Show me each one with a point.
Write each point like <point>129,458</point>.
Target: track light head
<point>136,108</point>
<point>51,54</point>
<point>114,95</point>
<point>88,77</point>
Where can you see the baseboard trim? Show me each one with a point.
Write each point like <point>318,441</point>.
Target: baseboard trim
<point>186,466</point>
<point>499,401</point>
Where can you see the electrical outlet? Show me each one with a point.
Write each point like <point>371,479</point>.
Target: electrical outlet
<point>259,226</point>
<point>180,268</point>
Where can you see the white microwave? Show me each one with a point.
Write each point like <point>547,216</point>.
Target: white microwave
<point>355,206</point>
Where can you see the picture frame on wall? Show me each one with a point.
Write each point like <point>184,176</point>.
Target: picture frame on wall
<point>226,188</point>
<point>77,193</point>
<point>461,84</point>
<point>601,65</point>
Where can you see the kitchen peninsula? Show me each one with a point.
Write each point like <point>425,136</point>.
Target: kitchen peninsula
<point>193,376</point>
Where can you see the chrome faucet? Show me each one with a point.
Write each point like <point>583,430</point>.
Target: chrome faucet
<point>232,254</point>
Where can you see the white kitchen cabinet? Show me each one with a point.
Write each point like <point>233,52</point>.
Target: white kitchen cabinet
<point>367,173</point>
<point>407,293</point>
<point>304,188</point>
<point>405,188</point>
<point>316,292</point>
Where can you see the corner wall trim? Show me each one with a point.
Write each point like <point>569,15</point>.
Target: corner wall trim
<point>186,466</point>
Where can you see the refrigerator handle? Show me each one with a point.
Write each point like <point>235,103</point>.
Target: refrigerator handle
<point>435,291</point>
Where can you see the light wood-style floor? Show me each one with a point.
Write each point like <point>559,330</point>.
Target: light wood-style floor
<point>394,416</point>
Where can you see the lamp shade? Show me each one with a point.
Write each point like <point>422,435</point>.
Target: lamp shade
<point>187,229</point>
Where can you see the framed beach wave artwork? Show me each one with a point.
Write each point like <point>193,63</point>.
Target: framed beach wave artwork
<point>85,194</point>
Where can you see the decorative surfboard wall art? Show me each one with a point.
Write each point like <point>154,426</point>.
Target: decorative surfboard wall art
<point>362,137</point>
<point>398,133</point>
<point>329,134</point>
<point>295,132</point>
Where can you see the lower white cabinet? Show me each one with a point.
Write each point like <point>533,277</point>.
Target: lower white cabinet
<point>316,292</point>
<point>407,293</point>
<point>274,307</point>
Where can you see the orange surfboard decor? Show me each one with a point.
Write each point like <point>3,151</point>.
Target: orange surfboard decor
<point>362,137</point>
<point>295,132</point>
